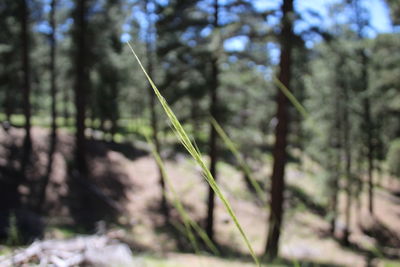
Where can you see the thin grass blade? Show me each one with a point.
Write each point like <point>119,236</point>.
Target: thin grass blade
<point>291,97</point>
<point>185,140</point>
<point>232,147</point>
<point>179,206</point>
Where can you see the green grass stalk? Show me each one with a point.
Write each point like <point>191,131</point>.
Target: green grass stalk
<point>291,97</point>
<point>232,147</point>
<point>187,221</point>
<point>185,140</point>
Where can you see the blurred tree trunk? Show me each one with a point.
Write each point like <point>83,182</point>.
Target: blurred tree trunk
<point>102,124</point>
<point>8,107</point>
<point>80,86</point>
<point>246,178</point>
<point>27,146</point>
<point>194,114</point>
<point>362,22</point>
<point>334,196</point>
<point>53,74</point>
<point>369,127</point>
<point>114,115</point>
<point>281,132</point>
<point>336,146</point>
<point>348,167</point>
<point>243,122</point>
<point>357,187</point>
<point>152,104</point>
<point>53,92</point>
<point>66,101</point>
<point>334,184</point>
<point>213,152</point>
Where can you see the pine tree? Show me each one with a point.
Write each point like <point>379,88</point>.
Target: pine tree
<point>281,131</point>
<point>150,45</point>
<point>213,149</point>
<point>53,93</point>
<point>81,83</point>
<point>26,92</point>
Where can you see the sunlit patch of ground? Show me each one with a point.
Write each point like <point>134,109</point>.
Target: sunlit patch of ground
<point>304,236</point>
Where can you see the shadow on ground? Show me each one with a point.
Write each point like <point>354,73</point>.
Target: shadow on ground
<point>100,196</point>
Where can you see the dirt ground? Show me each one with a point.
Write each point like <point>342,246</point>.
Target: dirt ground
<point>126,177</point>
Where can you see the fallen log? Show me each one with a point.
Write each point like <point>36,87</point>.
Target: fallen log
<point>94,250</point>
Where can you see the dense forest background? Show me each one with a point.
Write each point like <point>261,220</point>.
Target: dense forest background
<point>296,110</point>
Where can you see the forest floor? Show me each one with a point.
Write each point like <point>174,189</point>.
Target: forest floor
<point>127,178</point>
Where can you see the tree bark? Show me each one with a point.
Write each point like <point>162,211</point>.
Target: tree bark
<point>213,150</point>
<point>114,113</point>
<point>27,146</point>
<point>370,167</point>
<point>369,133</point>
<point>334,191</point>
<point>348,167</point>
<point>361,25</point>
<point>336,146</point>
<point>80,87</point>
<point>153,113</point>
<point>53,92</point>
<point>8,105</point>
<point>66,101</point>
<point>281,132</point>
